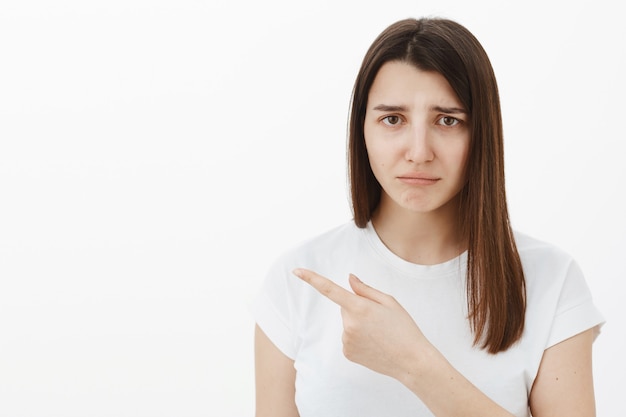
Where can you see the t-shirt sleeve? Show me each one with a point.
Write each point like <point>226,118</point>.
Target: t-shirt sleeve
<point>272,309</point>
<point>575,311</point>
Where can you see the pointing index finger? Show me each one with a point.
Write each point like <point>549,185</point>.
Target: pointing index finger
<point>326,287</point>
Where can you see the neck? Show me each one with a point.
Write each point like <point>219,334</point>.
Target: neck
<point>422,238</point>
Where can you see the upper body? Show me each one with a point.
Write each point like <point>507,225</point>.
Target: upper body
<point>306,327</point>
<point>428,301</point>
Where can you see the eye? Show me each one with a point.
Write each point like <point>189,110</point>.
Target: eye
<point>448,121</point>
<point>391,120</point>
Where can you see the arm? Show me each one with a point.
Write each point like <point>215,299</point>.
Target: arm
<point>563,387</point>
<point>444,390</point>
<point>564,383</point>
<point>381,335</point>
<point>275,379</point>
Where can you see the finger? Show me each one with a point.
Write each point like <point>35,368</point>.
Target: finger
<point>364,290</point>
<point>326,287</point>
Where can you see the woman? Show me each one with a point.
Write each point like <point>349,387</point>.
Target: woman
<point>460,315</point>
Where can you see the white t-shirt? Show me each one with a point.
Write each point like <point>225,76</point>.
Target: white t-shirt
<point>307,327</point>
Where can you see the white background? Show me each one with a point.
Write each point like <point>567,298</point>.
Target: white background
<point>156,156</point>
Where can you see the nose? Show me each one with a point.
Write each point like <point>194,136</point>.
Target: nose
<point>418,145</point>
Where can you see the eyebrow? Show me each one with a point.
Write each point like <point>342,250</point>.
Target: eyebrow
<point>386,107</point>
<point>391,108</point>
<point>452,110</point>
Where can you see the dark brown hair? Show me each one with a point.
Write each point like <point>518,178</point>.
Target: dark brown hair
<point>496,293</point>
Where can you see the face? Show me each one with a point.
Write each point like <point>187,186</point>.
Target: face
<point>417,137</point>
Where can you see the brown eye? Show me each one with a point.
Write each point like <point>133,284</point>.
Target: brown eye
<point>391,120</point>
<point>448,121</point>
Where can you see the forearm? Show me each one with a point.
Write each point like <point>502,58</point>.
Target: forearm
<point>445,391</point>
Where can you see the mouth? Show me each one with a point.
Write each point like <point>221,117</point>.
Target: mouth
<point>418,179</point>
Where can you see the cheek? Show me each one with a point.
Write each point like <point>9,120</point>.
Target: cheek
<point>380,152</point>
<point>455,159</point>
<point>377,159</point>
<point>460,154</point>
<point>462,159</point>
<point>465,154</point>
<point>462,162</point>
<point>377,163</point>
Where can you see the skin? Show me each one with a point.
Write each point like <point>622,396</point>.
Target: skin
<point>275,379</point>
<point>417,140</point>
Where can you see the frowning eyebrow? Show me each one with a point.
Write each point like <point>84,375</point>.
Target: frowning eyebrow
<point>453,110</point>
<point>386,107</point>
<point>392,108</point>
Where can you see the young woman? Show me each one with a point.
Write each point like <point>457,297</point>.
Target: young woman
<point>427,303</point>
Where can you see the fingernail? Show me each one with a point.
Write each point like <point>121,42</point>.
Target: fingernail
<point>297,272</point>
<point>355,277</point>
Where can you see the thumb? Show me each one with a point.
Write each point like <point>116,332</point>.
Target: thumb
<point>362,289</point>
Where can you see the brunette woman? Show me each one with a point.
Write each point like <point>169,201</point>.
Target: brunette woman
<point>427,303</point>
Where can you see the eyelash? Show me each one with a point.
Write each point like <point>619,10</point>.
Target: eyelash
<point>385,120</point>
<point>454,119</point>
<point>440,121</point>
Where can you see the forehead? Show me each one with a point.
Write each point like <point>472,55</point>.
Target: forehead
<point>402,83</point>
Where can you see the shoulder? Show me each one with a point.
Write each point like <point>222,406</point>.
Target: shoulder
<point>327,254</point>
<point>546,266</point>
<point>559,302</point>
<point>549,271</point>
<point>538,252</point>
<point>318,252</point>
<point>330,241</point>
<point>532,245</point>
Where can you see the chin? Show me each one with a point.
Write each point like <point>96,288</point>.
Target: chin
<point>419,207</point>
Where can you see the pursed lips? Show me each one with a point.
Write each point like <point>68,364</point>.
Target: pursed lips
<point>418,178</point>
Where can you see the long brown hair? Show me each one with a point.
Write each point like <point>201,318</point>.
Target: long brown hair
<point>496,294</point>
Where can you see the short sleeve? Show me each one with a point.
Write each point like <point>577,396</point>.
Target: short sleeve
<point>272,310</point>
<point>575,311</point>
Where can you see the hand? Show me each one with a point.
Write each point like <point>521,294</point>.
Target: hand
<point>378,332</point>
